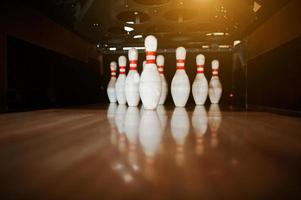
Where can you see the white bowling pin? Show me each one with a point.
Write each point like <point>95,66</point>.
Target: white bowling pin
<point>143,64</point>
<point>150,81</point>
<point>120,83</point>
<point>111,86</point>
<point>180,86</point>
<point>199,122</point>
<point>180,129</point>
<point>215,86</point>
<point>164,88</point>
<point>132,80</point>
<point>200,83</point>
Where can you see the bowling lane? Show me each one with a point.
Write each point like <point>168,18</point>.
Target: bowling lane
<point>119,152</point>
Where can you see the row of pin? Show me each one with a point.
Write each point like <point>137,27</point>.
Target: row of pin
<point>151,87</point>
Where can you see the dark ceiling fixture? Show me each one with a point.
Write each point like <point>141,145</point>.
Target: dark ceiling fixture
<point>160,29</point>
<point>152,2</point>
<point>180,14</point>
<point>133,16</point>
<point>118,30</point>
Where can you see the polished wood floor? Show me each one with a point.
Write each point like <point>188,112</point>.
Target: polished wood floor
<point>115,152</point>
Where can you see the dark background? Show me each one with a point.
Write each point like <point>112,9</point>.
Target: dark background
<point>274,77</point>
<point>40,78</point>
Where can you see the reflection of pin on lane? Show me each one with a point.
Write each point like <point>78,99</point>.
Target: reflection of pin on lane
<point>111,118</point>
<point>150,134</point>
<point>131,124</point>
<point>199,123</point>
<point>119,121</point>
<point>162,116</point>
<point>111,86</point>
<point>179,130</point>
<point>214,121</point>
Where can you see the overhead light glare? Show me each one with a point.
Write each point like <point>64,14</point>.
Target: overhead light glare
<point>128,29</point>
<point>236,42</point>
<point>224,46</point>
<point>137,36</point>
<point>130,22</point>
<point>217,34</point>
<point>128,48</point>
<point>112,48</point>
<point>256,6</point>
<point>205,46</point>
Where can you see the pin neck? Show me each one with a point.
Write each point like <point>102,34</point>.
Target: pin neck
<point>122,69</point>
<point>180,64</point>
<point>150,57</point>
<point>215,72</point>
<point>133,65</point>
<point>200,69</point>
<point>161,69</point>
<point>113,73</point>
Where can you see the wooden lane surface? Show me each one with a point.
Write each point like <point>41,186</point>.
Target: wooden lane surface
<point>90,153</point>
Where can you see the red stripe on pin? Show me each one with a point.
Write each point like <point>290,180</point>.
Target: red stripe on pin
<point>150,61</point>
<point>133,62</point>
<point>122,67</point>
<point>180,67</point>
<point>133,68</point>
<point>214,72</point>
<point>121,72</point>
<point>150,53</point>
<point>180,61</point>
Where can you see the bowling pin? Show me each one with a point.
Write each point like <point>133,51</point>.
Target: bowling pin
<point>199,122</point>
<point>120,83</point>
<point>164,88</point>
<point>143,64</point>
<point>150,81</point>
<point>111,86</point>
<point>180,86</point>
<point>132,80</point>
<point>200,83</point>
<point>215,86</point>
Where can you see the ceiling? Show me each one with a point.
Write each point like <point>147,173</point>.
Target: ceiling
<point>175,22</point>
